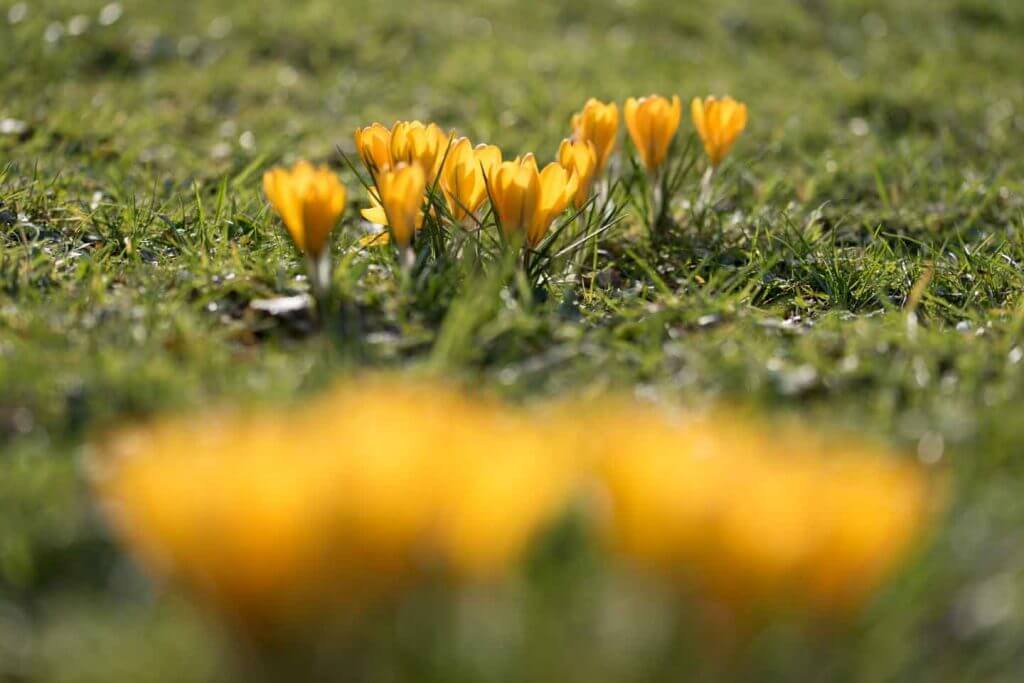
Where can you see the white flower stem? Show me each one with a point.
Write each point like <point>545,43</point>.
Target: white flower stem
<point>319,268</point>
<point>706,188</point>
<point>657,199</point>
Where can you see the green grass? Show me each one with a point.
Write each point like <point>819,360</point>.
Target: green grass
<point>886,143</point>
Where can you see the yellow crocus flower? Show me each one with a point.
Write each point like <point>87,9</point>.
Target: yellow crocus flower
<point>488,157</point>
<point>580,158</point>
<point>557,189</point>
<point>462,178</point>
<point>597,123</point>
<point>527,200</point>
<point>515,190</point>
<point>309,201</point>
<point>719,123</point>
<point>652,123</point>
<point>402,193</point>
<point>374,146</point>
<point>413,142</point>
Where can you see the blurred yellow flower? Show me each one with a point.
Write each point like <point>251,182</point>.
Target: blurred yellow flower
<point>484,479</point>
<point>402,194</point>
<point>462,178</point>
<point>580,159</point>
<point>292,517</point>
<point>415,143</point>
<point>598,124</point>
<point>652,123</point>
<point>527,200</point>
<point>322,510</point>
<point>309,201</point>
<point>719,123</point>
<point>757,516</point>
<point>216,505</point>
<point>374,146</point>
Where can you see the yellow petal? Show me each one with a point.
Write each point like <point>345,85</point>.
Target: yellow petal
<point>375,214</point>
<point>402,193</point>
<point>697,114</point>
<point>377,239</point>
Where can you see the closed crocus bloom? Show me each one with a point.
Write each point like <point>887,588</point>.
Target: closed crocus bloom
<point>579,158</point>
<point>463,178</point>
<point>515,190</point>
<point>653,122</point>
<point>527,199</point>
<point>413,142</point>
<point>557,188</point>
<point>719,123</point>
<point>488,157</point>
<point>598,123</point>
<point>374,146</point>
<point>309,201</point>
<point>402,192</point>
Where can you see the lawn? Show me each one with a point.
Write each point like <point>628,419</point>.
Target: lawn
<point>860,270</point>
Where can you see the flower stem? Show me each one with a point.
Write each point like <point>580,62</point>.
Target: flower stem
<point>407,257</point>
<point>319,268</point>
<point>657,200</point>
<point>706,188</point>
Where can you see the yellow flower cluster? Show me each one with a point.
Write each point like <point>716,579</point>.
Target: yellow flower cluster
<point>526,199</point>
<point>408,159</point>
<point>652,123</point>
<point>366,491</point>
<point>344,501</point>
<point>403,162</point>
<point>754,516</point>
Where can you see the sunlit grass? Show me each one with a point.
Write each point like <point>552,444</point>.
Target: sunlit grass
<point>856,262</point>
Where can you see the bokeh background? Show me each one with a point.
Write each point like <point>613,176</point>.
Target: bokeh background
<point>897,128</point>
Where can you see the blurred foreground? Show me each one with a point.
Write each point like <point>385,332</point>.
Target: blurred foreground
<point>306,529</point>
